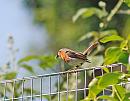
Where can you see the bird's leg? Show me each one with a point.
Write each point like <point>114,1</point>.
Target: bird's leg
<point>74,69</point>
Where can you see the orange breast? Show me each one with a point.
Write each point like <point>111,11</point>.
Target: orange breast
<point>64,56</point>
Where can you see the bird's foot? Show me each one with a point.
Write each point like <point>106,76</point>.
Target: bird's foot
<point>73,69</point>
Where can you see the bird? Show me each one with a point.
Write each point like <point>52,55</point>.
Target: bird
<point>75,58</point>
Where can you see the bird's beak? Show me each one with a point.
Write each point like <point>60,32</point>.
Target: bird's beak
<point>57,56</point>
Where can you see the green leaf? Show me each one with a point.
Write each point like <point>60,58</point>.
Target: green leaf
<point>123,57</point>
<point>129,46</point>
<point>88,35</point>
<point>88,12</point>
<point>121,91</point>
<point>106,97</point>
<point>127,2</point>
<point>112,54</point>
<point>124,44</point>
<point>87,99</point>
<point>127,97</point>
<point>96,34</point>
<point>27,58</point>
<point>108,32</point>
<point>27,67</point>
<point>44,61</point>
<point>111,38</point>
<point>93,82</point>
<point>28,91</point>
<point>109,79</point>
<point>106,69</point>
<point>78,14</point>
<point>93,88</point>
<point>9,76</point>
<point>47,61</point>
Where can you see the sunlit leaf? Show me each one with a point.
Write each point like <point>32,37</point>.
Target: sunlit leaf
<point>44,61</point>
<point>124,45</point>
<point>106,69</point>
<point>28,58</point>
<point>121,91</point>
<point>93,88</point>
<point>93,82</point>
<point>47,61</point>
<point>129,46</point>
<point>28,90</point>
<point>81,12</point>
<point>87,99</point>
<point>47,97</point>
<point>9,76</point>
<point>106,97</point>
<point>96,34</point>
<point>127,97</point>
<point>123,57</point>
<point>88,35</point>
<point>1,89</point>
<point>88,12</point>
<point>27,67</point>
<point>127,2</point>
<point>111,38</point>
<point>109,79</point>
<point>112,54</point>
<point>108,32</point>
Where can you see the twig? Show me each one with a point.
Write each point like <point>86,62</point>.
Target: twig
<point>12,52</point>
<point>114,10</point>
<point>124,12</point>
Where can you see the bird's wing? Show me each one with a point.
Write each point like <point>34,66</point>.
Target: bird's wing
<point>76,55</point>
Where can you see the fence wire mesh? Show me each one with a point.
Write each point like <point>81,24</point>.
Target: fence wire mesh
<point>46,87</point>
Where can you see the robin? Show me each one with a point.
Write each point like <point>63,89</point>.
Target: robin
<point>74,58</point>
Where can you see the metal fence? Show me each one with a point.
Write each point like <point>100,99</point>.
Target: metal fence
<point>48,86</point>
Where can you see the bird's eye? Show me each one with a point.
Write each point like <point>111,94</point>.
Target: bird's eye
<point>67,51</point>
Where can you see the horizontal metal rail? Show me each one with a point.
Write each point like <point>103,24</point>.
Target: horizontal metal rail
<point>51,83</point>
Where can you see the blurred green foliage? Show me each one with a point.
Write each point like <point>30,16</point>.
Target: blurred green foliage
<point>107,21</point>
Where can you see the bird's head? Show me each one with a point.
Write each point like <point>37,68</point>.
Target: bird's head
<point>62,53</point>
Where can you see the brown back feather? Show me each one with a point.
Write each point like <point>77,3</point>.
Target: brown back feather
<point>77,55</point>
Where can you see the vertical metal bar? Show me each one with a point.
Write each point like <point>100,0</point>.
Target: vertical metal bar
<point>58,87</point>
<point>93,73</point>
<point>67,88</point>
<point>4,98</point>
<point>13,90</point>
<point>121,67</point>
<point>85,84</point>
<point>41,88</point>
<point>22,90</point>
<point>103,92</point>
<point>50,86</point>
<point>76,89</point>
<point>32,89</point>
<point>111,68</point>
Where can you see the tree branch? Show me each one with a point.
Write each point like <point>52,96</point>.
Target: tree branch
<point>114,10</point>
<point>124,12</point>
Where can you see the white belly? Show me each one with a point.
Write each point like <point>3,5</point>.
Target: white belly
<point>76,62</point>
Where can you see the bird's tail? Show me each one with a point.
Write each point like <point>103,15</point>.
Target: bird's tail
<point>90,48</point>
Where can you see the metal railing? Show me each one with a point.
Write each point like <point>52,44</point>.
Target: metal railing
<point>48,87</point>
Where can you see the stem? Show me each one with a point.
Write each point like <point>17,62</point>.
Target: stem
<point>124,12</point>
<point>114,10</point>
<point>117,93</point>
